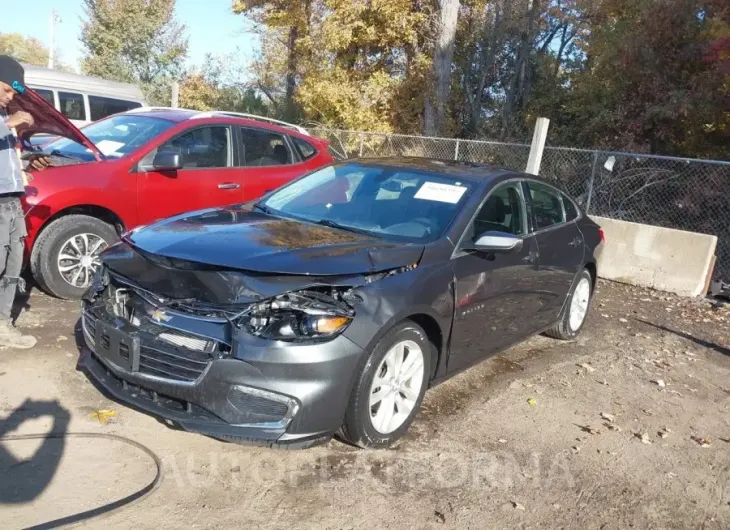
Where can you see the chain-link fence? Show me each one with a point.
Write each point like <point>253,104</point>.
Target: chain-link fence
<point>687,194</point>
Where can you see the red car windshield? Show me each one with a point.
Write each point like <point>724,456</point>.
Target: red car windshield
<point>115,137</point>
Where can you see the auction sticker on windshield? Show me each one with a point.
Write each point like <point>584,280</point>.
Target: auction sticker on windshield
<point>434,191</point>
<point>108,147</point>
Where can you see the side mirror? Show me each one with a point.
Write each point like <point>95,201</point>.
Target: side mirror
<point>493,241</point>
<point>167,161</point>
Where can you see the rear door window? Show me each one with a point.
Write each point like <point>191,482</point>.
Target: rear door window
<point>264,148</point>
<point>72,105</point>
<point>101,107</point>
<point>547,205</point>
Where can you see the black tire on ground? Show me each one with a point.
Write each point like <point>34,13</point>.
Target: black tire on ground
<point>44,258</point>
<point>357,427</point>
<point>562,330</point>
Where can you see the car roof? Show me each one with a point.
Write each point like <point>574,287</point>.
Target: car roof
<point>179,115</point>
<point>454,168</point>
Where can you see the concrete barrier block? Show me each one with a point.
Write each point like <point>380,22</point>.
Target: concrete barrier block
<point>653,256</point>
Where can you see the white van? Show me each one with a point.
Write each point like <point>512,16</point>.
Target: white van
<point>82,99</point>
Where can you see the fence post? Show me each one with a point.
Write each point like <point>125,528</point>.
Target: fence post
<point>362,142</point>
<point>538,145</point>
<point>590,182</point>
<point>456,150</point>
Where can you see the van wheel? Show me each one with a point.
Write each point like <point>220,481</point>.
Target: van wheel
<point>66,254</point>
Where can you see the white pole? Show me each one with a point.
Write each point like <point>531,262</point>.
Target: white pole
<point>50,48</point>
<point>175,94</point>
<point>538,145</point>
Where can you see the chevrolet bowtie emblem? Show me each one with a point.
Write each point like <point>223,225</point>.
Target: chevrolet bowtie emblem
<point>158,315</point>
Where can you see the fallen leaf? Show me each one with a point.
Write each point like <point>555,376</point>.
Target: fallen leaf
<point>659,382</point>
<point>588,368</point>
<point>608,417</point>
<point>103,415</point>
<point>644,437</point>
<point>532,402</point>
<point>703,442</point>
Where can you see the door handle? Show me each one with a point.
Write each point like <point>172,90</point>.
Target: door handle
<point>531,257</point>
<point>229,186</point>
<point>576,241</point>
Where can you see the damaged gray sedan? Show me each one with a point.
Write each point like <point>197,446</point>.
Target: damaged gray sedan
<point>332,304</point>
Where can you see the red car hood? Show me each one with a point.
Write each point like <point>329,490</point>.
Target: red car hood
<point>47,120</point>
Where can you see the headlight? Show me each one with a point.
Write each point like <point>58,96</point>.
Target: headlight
<point>298,316</point>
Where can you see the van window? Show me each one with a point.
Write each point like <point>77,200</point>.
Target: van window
<point>72,105</point>
<point>101,107</point>
<point>46,94</point>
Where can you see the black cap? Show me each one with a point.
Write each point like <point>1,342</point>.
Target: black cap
<point>12,73</point>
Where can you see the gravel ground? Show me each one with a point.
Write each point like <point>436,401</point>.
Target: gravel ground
<point>629,426</point>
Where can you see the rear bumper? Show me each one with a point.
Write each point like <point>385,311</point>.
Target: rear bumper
<point>265,394</point>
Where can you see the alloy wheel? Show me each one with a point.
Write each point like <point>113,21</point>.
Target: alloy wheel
<point>579,304</point>
<point>396,386</point>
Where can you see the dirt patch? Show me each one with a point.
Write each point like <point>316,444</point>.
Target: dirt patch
<point>627,426</point>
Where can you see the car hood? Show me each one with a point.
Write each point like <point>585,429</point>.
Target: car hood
<point>47,120</point>
<point>238,239</point>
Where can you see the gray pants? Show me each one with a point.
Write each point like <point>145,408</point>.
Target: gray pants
<point>12,234</point>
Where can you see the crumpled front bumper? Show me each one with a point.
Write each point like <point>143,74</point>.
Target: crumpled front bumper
<point>265,393</point>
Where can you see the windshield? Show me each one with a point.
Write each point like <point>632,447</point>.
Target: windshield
<point>115,137</point>
<point>387,202</point>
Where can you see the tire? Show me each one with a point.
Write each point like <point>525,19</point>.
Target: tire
<point>359,426</point>
<point>44,258</point>
<point>564,329</point>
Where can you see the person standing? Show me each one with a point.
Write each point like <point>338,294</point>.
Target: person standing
<point>12,187</point>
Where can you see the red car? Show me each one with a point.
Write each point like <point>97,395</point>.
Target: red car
<point>146,164</point>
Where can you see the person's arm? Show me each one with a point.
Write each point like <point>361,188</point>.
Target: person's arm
<point>19,118</point>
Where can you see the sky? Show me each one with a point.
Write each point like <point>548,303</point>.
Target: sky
<point>211,27</point>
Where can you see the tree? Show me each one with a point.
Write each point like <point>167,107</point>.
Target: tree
<point>24,49</point>
<point>134,41</point>
<point>288,23</point>
<point>647,75</point>
<point>217,85</point>
<point>27,50</point>
<point>435,113</point>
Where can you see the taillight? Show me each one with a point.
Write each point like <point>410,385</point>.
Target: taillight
<point>602,235</point>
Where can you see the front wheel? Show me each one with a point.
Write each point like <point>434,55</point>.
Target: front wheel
<point>66,254</point>
<point>576,308</point>
<point>390,388</point>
